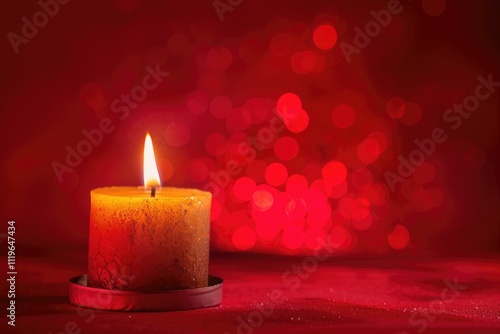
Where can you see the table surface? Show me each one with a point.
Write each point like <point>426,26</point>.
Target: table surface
<point>340,295</point>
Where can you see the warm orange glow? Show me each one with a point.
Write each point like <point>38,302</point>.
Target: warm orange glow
<point>151,175</point>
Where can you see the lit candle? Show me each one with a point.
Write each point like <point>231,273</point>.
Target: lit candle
<point>149,238</point>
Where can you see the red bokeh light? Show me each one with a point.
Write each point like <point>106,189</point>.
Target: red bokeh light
<point>177,134</point>
<point>298,123</point>
<point>286,148</point>
<point>165,168</point>
<point>374,193</point>
<point>475,156</point>
<point>380,138</point>
<point>334,172</point>
<point>92,95</point>
<point>243,188</point>
<point>343,116</point>
<point>337,191</point>
<point>256,110</point>
<point>319,214</point>
<point>219,58</point>
<point>296,208</point>
<point>325,37</point>
<point>276,174</point>
<point>396,107</point>
<point>368,151</point>
<point>244,238</point>
<point>350,242</point>
<point>412,115</point>
<point>303,62</point>
<point>289,106</point>
<point>399,237</point>
<point>197,102</point>
<point>361,177</point>
<point>362,211</point>
<point>215,144</point>
<point>262,200</point>
<point>296,186</point>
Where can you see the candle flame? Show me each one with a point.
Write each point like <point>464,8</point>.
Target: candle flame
<point>151,175</point>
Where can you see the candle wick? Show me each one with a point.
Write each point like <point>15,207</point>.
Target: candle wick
<point>153,191</point>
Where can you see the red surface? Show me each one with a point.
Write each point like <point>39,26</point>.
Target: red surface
<point>214,127</point>
<point>354,295</point>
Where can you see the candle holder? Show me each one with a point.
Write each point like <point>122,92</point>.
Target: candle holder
<point>148,248</point>
<point>82,295</point>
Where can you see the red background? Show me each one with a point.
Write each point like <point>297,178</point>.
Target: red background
<point>64,80</point>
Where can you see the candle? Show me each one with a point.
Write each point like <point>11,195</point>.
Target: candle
<point>149,238</point>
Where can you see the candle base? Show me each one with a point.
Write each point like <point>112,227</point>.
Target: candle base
<point>82,295</point>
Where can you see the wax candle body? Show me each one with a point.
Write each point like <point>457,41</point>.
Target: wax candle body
<point>140,243</point>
